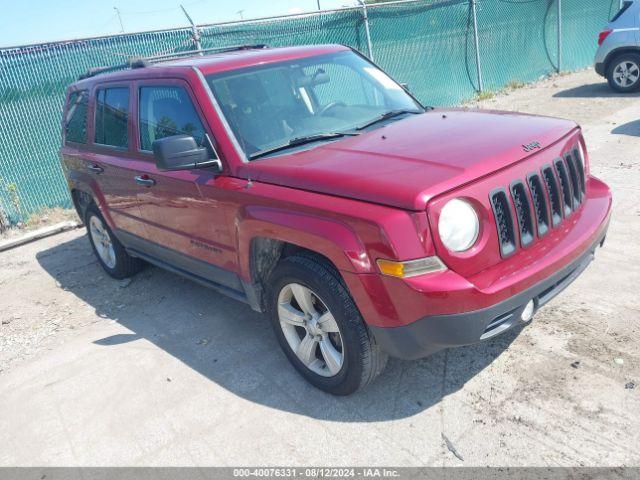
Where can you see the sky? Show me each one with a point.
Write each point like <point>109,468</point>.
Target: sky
<point>35,21</point>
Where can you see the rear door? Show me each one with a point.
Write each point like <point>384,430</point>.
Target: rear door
<point>75,139</point>
<point>185,212</point>
<point>108,157</point>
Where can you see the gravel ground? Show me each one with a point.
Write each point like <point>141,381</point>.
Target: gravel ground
<point>44,218</point>
<point>159,371</point>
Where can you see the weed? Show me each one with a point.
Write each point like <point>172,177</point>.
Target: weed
<point>484,95</point>
<point>11,190</point>
<point>515,84</point>
<point>49,215</point>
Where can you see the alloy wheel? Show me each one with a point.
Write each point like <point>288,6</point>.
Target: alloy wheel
<point>102,242</point>
<point>626,74</point>
<point>310,330</point>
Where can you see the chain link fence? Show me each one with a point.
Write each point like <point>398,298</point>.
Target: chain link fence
<point>446,51</point>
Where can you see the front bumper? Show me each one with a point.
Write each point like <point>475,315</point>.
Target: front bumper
<point>432,333</point>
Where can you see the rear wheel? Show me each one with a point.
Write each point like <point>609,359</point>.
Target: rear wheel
<point>320,328</point>
<point>624,73</point>
<point>111,254</point>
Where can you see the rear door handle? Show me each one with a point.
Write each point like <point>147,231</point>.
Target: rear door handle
<point>145,180</point>
<point>93,168</point>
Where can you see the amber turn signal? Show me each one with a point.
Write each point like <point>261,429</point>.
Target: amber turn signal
<point>410,268</point>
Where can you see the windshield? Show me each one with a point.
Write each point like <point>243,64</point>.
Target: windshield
<point>269,106</point>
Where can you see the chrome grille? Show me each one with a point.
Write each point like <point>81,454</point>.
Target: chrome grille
<point>580,167</point>
<point>575,181</point>
<point>540,203</point>
<point>553,191</point>
<point>523,212</point>
<point>565,187</point>
<point>504,222</point>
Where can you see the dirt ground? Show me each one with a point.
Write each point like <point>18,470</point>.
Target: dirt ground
<point>43,218</point>
<point>160,371</point>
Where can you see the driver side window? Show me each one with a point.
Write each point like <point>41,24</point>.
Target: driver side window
<point>165,112</point>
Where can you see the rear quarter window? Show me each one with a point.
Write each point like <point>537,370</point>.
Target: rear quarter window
<point>624,8</point>
<point>75,125</point>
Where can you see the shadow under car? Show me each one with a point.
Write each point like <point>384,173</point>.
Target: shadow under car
<point>593,90</point>
<point>230,344</point>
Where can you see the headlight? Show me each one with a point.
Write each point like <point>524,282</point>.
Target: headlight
<point>458,225</point>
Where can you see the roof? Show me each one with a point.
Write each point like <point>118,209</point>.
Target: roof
<point>218,61</point>
<point>243,58</point>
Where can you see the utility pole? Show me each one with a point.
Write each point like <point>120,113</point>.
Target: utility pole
<point>195,31</point>
<point>239,12</point>
<point>367,32</point>
<point>559,35</point>
<point>476,42</point>
<point>119,19</point>
<point>321,9</point>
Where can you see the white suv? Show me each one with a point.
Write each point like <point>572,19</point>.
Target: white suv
<point>618,57</point>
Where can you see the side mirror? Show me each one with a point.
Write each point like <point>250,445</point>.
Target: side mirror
<point>179,152</point>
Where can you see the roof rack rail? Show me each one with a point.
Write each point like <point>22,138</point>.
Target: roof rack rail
<point>92,72</point>
<point>142,62</point>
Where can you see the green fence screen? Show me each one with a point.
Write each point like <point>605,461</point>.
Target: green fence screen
<point>428,44</point>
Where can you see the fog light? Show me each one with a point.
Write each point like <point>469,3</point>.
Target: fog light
<point>527,313</point>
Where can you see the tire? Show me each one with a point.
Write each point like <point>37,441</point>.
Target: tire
<point>618,80</point>
<point>361,358</point>
<point>115,260</point>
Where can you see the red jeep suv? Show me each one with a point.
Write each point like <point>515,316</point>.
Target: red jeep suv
<point>307,183</point>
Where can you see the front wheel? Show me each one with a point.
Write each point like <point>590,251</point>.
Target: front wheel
<point>320,328</point>
<point>624,73</point>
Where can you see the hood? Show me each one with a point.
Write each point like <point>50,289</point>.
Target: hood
<point>407,162</point>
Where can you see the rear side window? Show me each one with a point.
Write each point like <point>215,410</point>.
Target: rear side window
<point>167,111</point>
<point>75,126</point>
<point>624,8</point>
<point>112,114</point>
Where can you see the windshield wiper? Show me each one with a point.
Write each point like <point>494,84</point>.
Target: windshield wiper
<point>386,116</point>
<point>294,142</point>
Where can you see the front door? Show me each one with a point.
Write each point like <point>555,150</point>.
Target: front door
<point>185,212</point>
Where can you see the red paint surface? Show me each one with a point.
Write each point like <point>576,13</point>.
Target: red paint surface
<point>353,200</point>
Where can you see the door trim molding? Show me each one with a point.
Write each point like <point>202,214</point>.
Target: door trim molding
<point>220,279</point>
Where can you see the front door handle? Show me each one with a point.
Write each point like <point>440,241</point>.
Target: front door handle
<point>145,180</point>
<point>93,168</point>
